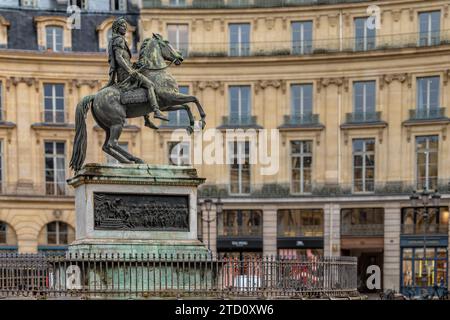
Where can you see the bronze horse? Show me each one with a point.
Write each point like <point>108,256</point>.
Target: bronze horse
<point>110,113</point>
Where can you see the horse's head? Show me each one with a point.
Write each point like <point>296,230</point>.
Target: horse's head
<point>168,52</point>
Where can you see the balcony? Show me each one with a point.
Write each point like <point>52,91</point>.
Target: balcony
<point>301,121</point>
<point>315,46</point>
<point>240,231</point>
<point>366,230</point>
<point>239,121</point>
<point>233,4</point>
<point>362,117</point>
<point>300,231</point>
<point>432,228</point>
<point>36,189</point>
<point>427,114</point>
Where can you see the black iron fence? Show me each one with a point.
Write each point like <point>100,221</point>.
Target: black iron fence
<point>148,276</point>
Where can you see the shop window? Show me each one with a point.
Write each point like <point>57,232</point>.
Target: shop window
<point>300,223</point>
<point>239,223</point>
<point>414,222</point>
<point>299,253</point>
<point>362,222</point>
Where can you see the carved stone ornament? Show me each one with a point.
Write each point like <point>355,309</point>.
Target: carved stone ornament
<point>263,84</point>
<point>140,212</point>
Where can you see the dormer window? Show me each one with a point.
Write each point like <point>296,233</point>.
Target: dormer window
<point>54,38</point>
<point>82,4</point>
<point>118,5</point>
<point>4,24</point>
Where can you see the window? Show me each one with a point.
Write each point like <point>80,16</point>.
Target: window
<point>414,221</point>
<point>434,265</point>
<point>300,223</point>
<point>3,227</point>
<point>427,162</point>
<point>235,223</point>
<point>82,4</point>
<point>240,167</point>
<point>179,153</point>
<point>178,36</point>
<point>363,165</point>
<point>364,36</point>
<point>239,39</point>
<point>54,38</point>
<point>1,165</point>
<point>111,160</point>
<point>54,103</point>
<point>108,36</point>
<point>27,3</point>
<point>364,99</point>
<point>429,28</point>
<point>2,112</point>
<point>299,253</point>
<point>301,166</point>
<point>118,5</point>
<point>427,95</point>
<point>239,104</point>
<point>179,118</point>
<point>362,222</point>
<point>59,233</point>
<point>301,100</point>
<point>176,3</point>
<point>55,172</point>
<point>302,37</point>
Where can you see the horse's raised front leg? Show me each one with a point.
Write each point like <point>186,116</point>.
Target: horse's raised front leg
<point>113,144</point>
<point>190,128</point>
<point>180,98</point>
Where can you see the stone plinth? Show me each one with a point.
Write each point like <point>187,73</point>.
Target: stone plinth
<point>136,209</point>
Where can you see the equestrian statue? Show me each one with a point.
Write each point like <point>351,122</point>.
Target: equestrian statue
<point>134,90</point>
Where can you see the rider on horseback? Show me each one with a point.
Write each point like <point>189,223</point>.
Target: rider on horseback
<point>121,68</point>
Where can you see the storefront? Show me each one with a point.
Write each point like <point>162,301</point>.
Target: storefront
<point>424,253</point>
<point>300,232</point>
<point>239,234</point>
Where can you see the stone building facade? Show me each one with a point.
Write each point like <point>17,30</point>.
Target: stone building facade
<point>357,92</point>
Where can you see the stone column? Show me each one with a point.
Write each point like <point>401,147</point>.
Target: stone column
<point>332,229</point>
<point>269,231</point>
<point>391,265</point>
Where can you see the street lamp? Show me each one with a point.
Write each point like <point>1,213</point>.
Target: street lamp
<point>425,196</point>
<point>208,205</point>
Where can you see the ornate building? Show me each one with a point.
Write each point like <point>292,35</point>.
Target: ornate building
<point>358,94</point>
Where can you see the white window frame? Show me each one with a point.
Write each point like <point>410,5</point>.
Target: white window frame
<point>301,156</point>
<point>54,157</point>
<point>240,155</point>
<point>427,160</point>
<point>176,45</point>
<point>53,45</point>
<point>53,109</point>
<point>363,167</point>
<point>239,44</point>
<point>302,36</point>
<point>427,106</point>
<point>239,113</point>
<point>429,35</point>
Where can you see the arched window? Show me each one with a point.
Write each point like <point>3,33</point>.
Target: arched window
<point>8,237</point>
<point>54,38</point>
<point>56,233</point>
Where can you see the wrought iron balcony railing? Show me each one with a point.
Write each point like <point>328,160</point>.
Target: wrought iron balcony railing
<point>362,117</point>
<point>301,120</point>
<point>230,4</point>
<point>432,228</point>
<point>315,46</point>
<point>427,114</point>
<point>54,117</point>
<point>362,229</point>
<point>236,120</point>
<point>240,231</point>
<point>300,231</point>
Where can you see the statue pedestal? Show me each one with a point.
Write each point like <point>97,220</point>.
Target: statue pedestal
<point>136,209</point>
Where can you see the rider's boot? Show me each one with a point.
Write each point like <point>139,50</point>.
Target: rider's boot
<point>148,123</point>
<point>153,102</point>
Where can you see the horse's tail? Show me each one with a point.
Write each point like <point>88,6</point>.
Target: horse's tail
<point>80,141</point>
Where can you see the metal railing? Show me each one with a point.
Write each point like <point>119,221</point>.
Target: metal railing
<point>54,117</point>
<point>315,46</point>
<point>235,120</point>
<point>427,114</point>
<point>300,231</point>
<point>36,189</point>
<point>432,228</point>
<point>147,276</point>
<point>301,120</point>
<point>362,229</point>
<point>362,117</point>
<point>230,4</point>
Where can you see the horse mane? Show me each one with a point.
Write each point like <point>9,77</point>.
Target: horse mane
<point>143,59</point>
